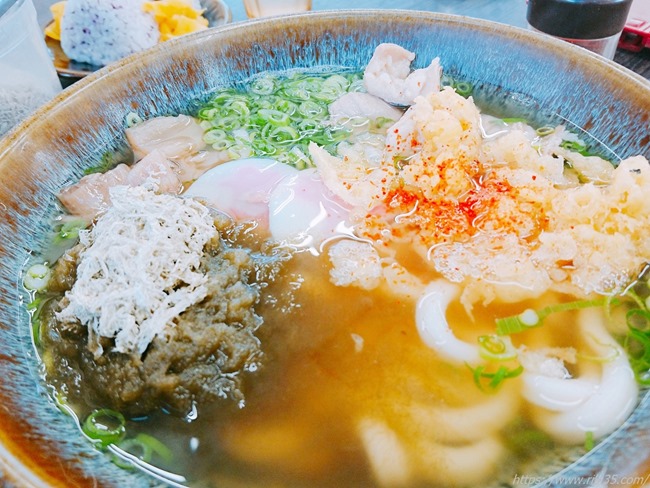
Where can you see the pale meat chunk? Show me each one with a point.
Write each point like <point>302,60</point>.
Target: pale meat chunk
<point>388,75</point>
<point>179,139</point>
<point>155,167</point>
<point>90,196</point>
<point>357,104</point>
<point>174,136</point>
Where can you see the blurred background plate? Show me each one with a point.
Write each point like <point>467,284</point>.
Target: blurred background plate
<point>216,11</point>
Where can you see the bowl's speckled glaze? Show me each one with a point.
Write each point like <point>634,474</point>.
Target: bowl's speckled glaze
<point>41,447</point>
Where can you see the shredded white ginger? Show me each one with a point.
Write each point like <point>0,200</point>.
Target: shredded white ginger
<point>139,268</point>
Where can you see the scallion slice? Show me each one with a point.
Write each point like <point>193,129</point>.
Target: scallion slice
<point>105,426</point>
<point>495,348</point>
<point>547,130</point>
<point>589,441</point>
<point>132,119</point>
<point>69,230</point>
<point>463,88</point>
<point>576,146</point>
<point>514,120</point>
<point>37,277</point>
<point>531,318</point>
<point>144,447</point>
<point>277,117</point>
<point>490,382</point>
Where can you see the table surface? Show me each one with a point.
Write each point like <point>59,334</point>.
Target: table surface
<point>511,12</point>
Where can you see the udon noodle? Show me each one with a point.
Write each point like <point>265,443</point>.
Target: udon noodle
<point>345,279</point>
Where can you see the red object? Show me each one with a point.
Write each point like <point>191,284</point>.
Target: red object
<point>636,33</point>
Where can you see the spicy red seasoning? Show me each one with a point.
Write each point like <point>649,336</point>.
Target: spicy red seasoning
<point>491,204</point>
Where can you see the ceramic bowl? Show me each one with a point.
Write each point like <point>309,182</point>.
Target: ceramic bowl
<point>547,78</point>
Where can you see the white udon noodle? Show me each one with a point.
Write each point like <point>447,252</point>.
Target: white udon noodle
<point>397,462</point>
<point>465,441</point>
<point>597,401</point>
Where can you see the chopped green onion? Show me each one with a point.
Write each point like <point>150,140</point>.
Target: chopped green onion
<point>490,382</point>
<point>69,230</point>
<point>296,92</point>
<point>280,134</point>
<point>274,115</point>
<point>144,447</point>
<point>230,122</point>
<point>36,332</point>
<point>337,82</point>
<point>35,307</point>
<point>515,323</point>
<point>463,88</point>
<point>298,158</point>
<point>637,346</point>
<point>132,119</point>
<point>264,85</point>
<point>37,277</point>
<point>531,318</point>
<point>106,163</point>
<point>446,80</point>
<point>356,86</point>
<point>208,113</point>
<point>105,426</point>
<point>310,109</point>
<point>636,342</point>
<point>576,146</point>
<point>215,136</point>
<point>514,120</point>
<point>545,131</point>
<point>287,106</point>
<point>589,441</point>
<point>263,147</point>
<point>380,124</point>
<point>35,304</point>
<point>495,348</point>
<point>638,319</point>
<point>238,105</point>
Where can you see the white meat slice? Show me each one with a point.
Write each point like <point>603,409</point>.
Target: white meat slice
<point>175,137</point>
<point>358,104</point>
<point>156,168</point>
<point>90,196</point>
<point>388,75</point>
